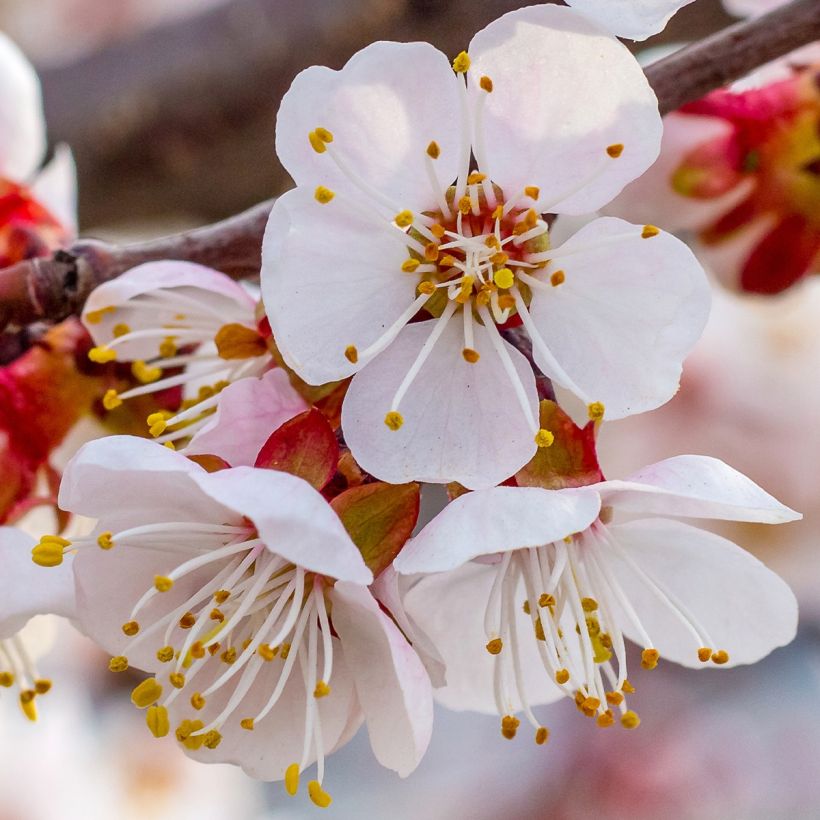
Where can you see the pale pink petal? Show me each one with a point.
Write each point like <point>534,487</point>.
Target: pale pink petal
<point>22,127</point>
<point>27,589</point>
<point>696,487</point>
<point>449,608</point>
<point>462,422</point>
<point>331,278</point>
<point>248,412</point>
<point>752,8</point>
<point>55,187</point>
<point>393,688</point>
<point>292,519</point>
<point>631,19</point>
<point>744,607</point>
<point>628,312</point>
<point>383,108</point>
<point>564,91</point>
<point>497,520</point>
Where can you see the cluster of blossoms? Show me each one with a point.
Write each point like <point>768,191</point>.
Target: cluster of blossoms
<point>261,566</point>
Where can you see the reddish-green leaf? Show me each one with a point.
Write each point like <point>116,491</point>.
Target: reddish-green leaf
<point>305,446</point>
<point>570,461</point>
<point>210,462</point>
<point>379,518</point>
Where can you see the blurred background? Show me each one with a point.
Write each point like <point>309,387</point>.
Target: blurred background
<point>170,108</point>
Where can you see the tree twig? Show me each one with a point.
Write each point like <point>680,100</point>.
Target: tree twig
<point>55,287</point>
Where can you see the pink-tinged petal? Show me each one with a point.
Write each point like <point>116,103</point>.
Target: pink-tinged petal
<point>628,312</point>
<point>393,688</point>
<point>631,19</point>
<point>127,480</point>
<point>55,187</point>
<point>277,740</point>
<point>712,169</point>
<point>292,519</point>
<point>27,589</point>
<point>462,421</point>
<point>248,412</point>
<point>449,608</point>
<point>218,295</point>
<point>22,127</point>
<point>744,607</point>
<point>383,108</point>
<point>497,520</point>
<point>542,61</point>
<point>331,278</point>
<point>695,487</point>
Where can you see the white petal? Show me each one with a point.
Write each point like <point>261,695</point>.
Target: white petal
<point>331,277</point>
<point>564,91</point>
<point>632,19</point>
<point>449,608</point>
<point>248,412</point>
<point>27,589</point>
<point>292,519</point>
<point>56,188</point>
<point>628,312</point>
<point>696,487</point>
<point>747,610</point>
<point>393,688</point>
<point>497,520</point>
<point>22,127</point>
<point>383,108</point>
<point>752,8</point>
<point>462,422</point>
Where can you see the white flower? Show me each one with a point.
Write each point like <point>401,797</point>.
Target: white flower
<point>26,590</point>
<point>221,585</point>
<point>558,117</point>
<point>586,584</point>
<point>632,19</point>
<point>176,316</point>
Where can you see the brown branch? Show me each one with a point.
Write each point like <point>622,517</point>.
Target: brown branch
<point>56,287</point>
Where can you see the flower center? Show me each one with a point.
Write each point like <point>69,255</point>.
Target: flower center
<point>17,669</point>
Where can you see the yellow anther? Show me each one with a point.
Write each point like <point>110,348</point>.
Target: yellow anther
<point>545,599</point>
<point>324,135</point>
<point>131,628</point>
<point>284,651</point>
<point>168,347</point>
<point>318,795</point>
<point>146,693</point>
<point>212,739</point>
<point>410,265</point>
<point>145,373</point>
<point>470,355</point>
<point>596,411</point>
<point>505,300</point>
<point>720,657</point>
<point>6,679</point>
<point>431,251</point>
<point>111,400</point>
<point>236,341</point>
<point>628,687</point>
<point>433,150</point>
<point>630,720</point>
<point>531,218</point>
<point>465,205</point>
<point>650,658</point>
<point>316,143</point>
<point>267,652</point>
<point>486,84</point>
<point>323,195</point>
<point>589,604</point>
<point>102,355</point>
<point>28,705</point>
<point>352,354</point>
<point>165,654</point>
<point>119,663</point>
<point>526,607</point>
<point>532,191</point>
<point>228,656</point>
<point>169,445</point>
<point>504,278</point>
<point>187,620</point>
<point>120,329</point>
<point>427,288</point>
<point>94,317</point>
<point>105,540</point>
<point>221,595</point>
<point>292,779</point>
<point>247,723</point>
<point>197,701</point>
<point>197,650</point>
<point>322,690</point>
<point>49,551</point>
<point>156,718</point>
<point>157,423</point>
<point>558,278</point>
<point>447,261</point>
<point>185,734</point>
<point>509,726</point>
<point>162,583</point>
<point>216,615</point>
<point>42,686</point>
<point>498,212</point>
<point>404,219</point>
<point>539,630</point>
<point>542,735</point>
<point>476,177</point>
<point>499,258</point>
<point>465,291</point>
<point>482,298</point>
<point>589,706</point>
<point>520,227</point>
<point>615,150</point>
<point>544,438</point>
<point>177,680</point>
<point>461,63</point>
<point>649,231</point>
<point>606,719</point>
<point>438,230</point>
<point>214,648</point>
<point>704,654</point>
<point>394,420</point>
<point>614,698</point>
<point>495,646</point>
